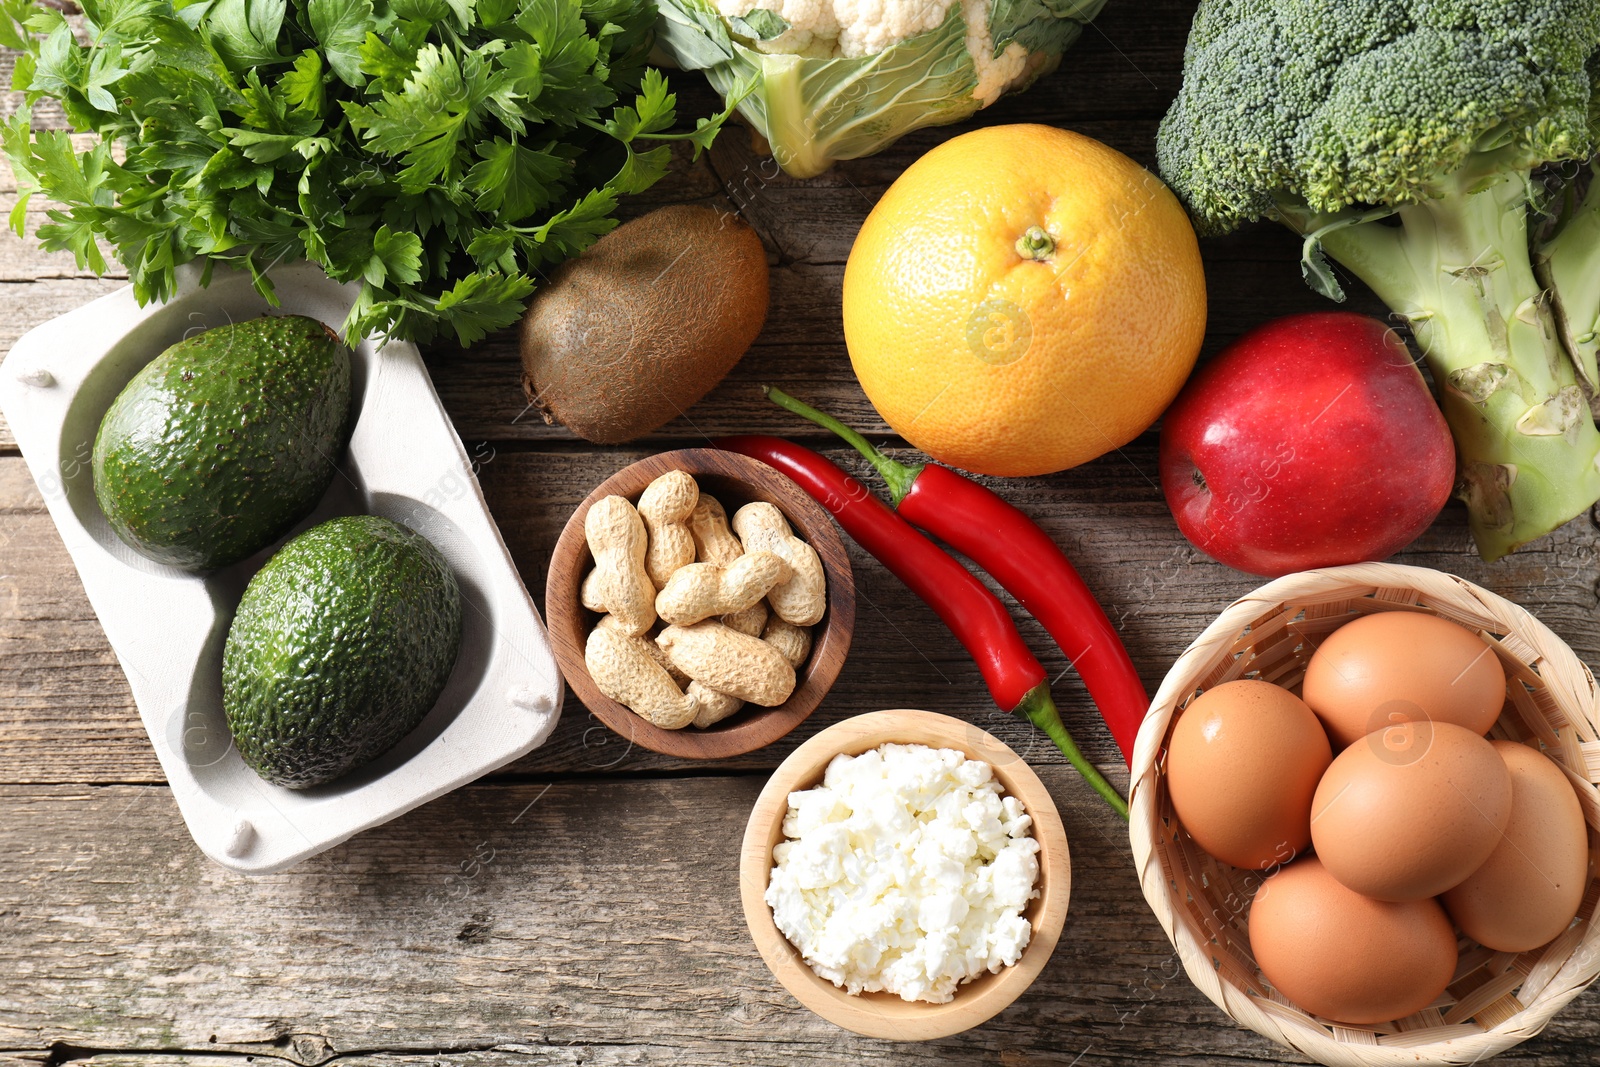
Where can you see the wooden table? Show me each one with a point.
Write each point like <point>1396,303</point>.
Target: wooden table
<point>580,906</point>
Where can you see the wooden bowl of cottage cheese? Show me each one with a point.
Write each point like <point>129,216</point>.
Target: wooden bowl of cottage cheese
<point>953,838</point>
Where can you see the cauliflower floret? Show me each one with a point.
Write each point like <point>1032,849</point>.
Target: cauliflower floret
<point>868,26</point>
<point>831,29</point>
<point>996,74</point>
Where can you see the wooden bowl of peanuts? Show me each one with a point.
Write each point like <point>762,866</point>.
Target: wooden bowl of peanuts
<point>700,603</point>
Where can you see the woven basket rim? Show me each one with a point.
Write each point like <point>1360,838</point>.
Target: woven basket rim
<point>1572,686</point>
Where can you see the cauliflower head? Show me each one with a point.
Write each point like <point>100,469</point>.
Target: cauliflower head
<point>825,80</point>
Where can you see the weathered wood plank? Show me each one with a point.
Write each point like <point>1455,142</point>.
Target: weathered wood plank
<point>600,925</point>
<point>574,914</point>
<point>79,724</point>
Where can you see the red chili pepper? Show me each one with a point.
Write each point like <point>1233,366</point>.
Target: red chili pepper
<point>977,618</point>
<point>1002,540</point>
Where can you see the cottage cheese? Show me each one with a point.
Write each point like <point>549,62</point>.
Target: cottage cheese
<point>906,871</point>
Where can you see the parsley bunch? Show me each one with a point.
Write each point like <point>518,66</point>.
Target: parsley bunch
<point>438,151</point>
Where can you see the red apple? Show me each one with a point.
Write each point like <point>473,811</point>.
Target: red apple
<point>1309,442</point>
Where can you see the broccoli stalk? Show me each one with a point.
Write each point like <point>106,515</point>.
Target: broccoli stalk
<point>1399,139</point>
<point>1457,267</point>
<point>1568,266</point>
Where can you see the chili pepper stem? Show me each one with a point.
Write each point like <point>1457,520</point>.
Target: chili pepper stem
<point>898,476</point>
<point>1040,709</point>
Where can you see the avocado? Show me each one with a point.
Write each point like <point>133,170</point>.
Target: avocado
<point>341,645</point>
<point>224,441</point>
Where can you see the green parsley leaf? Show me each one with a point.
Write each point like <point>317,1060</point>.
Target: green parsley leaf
<point>513,181</point>
<point>13,18</point>
<point>260,147</point>
<point>494,250</point>
<point>57,65</point>
<point>424,124</point>
<point>515,86</point>
<point>388,62</point>
<point>302,86</point>
<point>481,303</point>
<point>571,231</point>
<point>641,170</point>
<point>16,136</point>
<point>80,180</point>
<point>68,177</point>
<point>396,256</point>
<point>341,27</point>
<point>652,112</point>
<point>244,32</point>
<point>569,55</point>
<point>492,13</point>
<point>105,67</point>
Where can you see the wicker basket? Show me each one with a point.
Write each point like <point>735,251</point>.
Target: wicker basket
<point>1496,999</point>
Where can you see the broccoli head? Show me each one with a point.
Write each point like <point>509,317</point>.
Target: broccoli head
<point>1331,103</point>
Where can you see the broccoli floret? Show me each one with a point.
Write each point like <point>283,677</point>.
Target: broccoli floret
<point>1400,139</point>
<point>1333,103</point>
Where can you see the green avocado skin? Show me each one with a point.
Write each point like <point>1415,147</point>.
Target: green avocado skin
<point>341,645</point>
<point>224,441</point>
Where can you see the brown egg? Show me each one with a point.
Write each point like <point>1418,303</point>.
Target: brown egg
<point>1346,957</point>
<point>1242,767</point>
<point>1410,811</point>
<point>1402,666</point>
<point>1529,888</point>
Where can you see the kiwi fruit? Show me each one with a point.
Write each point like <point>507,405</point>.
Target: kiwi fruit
<point>627,336</point>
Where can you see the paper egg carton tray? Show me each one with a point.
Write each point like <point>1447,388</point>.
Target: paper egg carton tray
<point>168,626</point>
